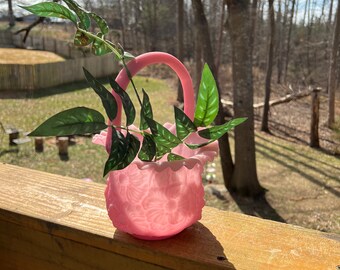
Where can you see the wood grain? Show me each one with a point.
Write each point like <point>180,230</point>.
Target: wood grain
<point>54,222</point>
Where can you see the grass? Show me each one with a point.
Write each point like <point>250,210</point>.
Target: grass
<point>85,159</point>
<point>27,57</point>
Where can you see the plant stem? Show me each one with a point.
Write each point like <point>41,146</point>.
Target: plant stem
<point>114,50</point>
<point>132,82</point>
<point>126,128</point>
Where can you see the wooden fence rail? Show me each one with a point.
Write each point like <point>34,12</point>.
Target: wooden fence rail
<point>54,222</point>
<point>18,77</point>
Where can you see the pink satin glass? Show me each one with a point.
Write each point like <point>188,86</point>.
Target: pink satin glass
<point>156,200</point>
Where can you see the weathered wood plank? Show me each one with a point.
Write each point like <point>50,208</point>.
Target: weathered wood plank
<point>39,207</point>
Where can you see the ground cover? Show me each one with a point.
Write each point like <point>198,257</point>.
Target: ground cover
<point>27,57</point>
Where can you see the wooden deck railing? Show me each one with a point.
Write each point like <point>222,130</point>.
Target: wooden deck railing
<point>53,222</point>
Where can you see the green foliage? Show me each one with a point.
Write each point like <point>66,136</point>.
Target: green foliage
<point>173,157</point>
<point>148,150</point>
<point>130,153</point>
<point>49,9</point>
<point>124,149</point>
<point>128,106</point>
<point>145,112</point>
<point>117,152</point>
<point>184,126</point>
<point>102,24</point>
<point>85,21</point>
<point>164,139</point>
<point>108,100</point>
<point>81,39</point>
<point>216,132</point>
<point>207,103</point>
<point>79,120</point>
<point>99,46</point>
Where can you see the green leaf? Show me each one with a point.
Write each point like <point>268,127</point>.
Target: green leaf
<point>208,100</point>
<point>217,132</point>
<point>146,112</point>
<point>102,24</point>
<point>164,139</point>
<point>85,21</point>
<point>108,100</point>
<point>128,56</point>
<point>129,109</point>
<point>173,157</point>
<point>131,152</point>
<point>118,150</point>
<point>99,47</point>
<point>48,9</point>
<point>148,150</point>
<point>195,146</point>
<point>79,120</point>
<point>81,39</point>
<point>184,126</point>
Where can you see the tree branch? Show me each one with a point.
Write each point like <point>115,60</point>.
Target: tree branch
<point>29,28</point>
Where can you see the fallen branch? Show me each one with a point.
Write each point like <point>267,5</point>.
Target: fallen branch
<point>278,101</point>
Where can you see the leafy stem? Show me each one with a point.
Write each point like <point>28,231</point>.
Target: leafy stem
<point>113,49</point>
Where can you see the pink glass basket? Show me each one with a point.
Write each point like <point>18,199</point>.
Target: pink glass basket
<point>156,200</point>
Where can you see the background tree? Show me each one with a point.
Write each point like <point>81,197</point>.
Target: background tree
<point>203,28</point>
<point>332,70</point>
<point>10,14</point>
<point>180,42</point>
<point>244,179</point>
<point>271,38</point>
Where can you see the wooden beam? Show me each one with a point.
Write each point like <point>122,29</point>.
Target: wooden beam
<point>53,222</point>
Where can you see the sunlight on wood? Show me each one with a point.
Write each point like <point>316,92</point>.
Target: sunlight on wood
<point>50,222</point>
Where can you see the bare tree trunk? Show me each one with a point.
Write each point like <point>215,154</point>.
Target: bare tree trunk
<point>283,37</point>
<point>244,180</point>
<point>225,154</point>
<point>253,25</point>
<point>332,70</point>
<point>296,12</point>
<point>264,126</point>
<point>180,43</point>
<point>288,39</point>
<point>198,59</point>
<point>309,34</point>
<point>279,43</point>
<point>10,14</point>
<point>220,39</point>
<point>305,12</point>
<point>330,14</point>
